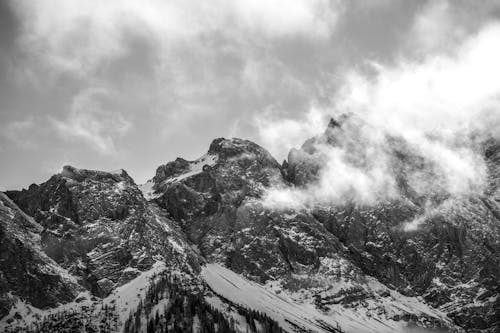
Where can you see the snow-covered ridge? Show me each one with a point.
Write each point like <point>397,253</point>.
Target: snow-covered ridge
<point>195,167</point>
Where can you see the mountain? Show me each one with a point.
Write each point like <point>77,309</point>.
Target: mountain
<point>198,248</point>
<point>450,259</point>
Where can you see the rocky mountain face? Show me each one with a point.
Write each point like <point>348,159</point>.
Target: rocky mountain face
<point>26,270</point>
<point>131,258</point>
<point>451,259</point>
<point>98,227</point>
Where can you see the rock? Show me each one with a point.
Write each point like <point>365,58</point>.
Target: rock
<point>25,271</point>
<point>106,285</point>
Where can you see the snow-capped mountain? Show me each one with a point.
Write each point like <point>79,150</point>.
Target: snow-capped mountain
<point>197,248</point>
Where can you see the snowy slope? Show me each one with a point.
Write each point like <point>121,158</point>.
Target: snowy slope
<point>128,296</point>
<point>148,190</point>
<point>195,167</point>
<point>288,314</point>
<point>291,314</point>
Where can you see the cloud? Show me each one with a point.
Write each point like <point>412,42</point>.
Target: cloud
<point>17,132</point>
<point>434,28</point>
<point>280,134</point>
<point>442,25</point>
<point>442,93</point>
<point>89,121</point>
<point>436,110</point>
<point>84,34</point>
<point>182,63</point>
<point>314,19</point>
<point>194,59</point>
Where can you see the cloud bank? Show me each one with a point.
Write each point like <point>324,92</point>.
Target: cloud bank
<point>435,110</point>
<point>159,79</point>
<point>178,58</point>
<point>90,121</point>
<point>85,33</point>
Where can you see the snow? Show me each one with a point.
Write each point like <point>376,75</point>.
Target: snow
<point>285,307</point>
<point>30,314</point>
<point>117,172</point>
<point>195,167</point>
<point>148,191</point>
<point>362,319</point>
<point>162,304</point>
<point>196,324</point>
<point>120,187</point>
<point>240,322</point>
<point>178,247</point>
<point>166,227</point>
<point>130,269</point>
<point>254,296</point>
<point>127,297</point>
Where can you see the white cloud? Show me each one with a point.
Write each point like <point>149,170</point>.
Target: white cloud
<point>315,18</point>
<point>280,134</point>
<point>91,122</point>
<point>439,106</point>
<point>77,36</point>
<point>434,28</point>
<point>186,43</point>
<point>442,93</point>
<point>441,25</point>
<point>17,132</point>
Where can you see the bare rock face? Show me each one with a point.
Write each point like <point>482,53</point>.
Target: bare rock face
<point>25,270</point>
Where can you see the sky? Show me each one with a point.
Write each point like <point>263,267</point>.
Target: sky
<point>134,84</point>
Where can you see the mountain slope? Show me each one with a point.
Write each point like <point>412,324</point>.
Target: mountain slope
<point>25,270</point>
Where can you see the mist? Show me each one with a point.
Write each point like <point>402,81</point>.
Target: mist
<point>435,111</point>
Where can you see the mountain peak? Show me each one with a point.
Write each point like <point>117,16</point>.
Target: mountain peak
<point>76,174</point>
<point>333,123</point>
<point>229,147</point>
<point>234,148</point>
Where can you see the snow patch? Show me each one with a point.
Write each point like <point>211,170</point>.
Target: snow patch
<point>178,247</point>
<point>195,167</point>
<point>148,191</point>
<point>127,297</point>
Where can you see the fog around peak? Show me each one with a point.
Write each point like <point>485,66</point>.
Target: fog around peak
<point>437,110</point>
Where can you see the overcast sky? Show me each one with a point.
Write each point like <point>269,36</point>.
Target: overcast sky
<point>134,84</point>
